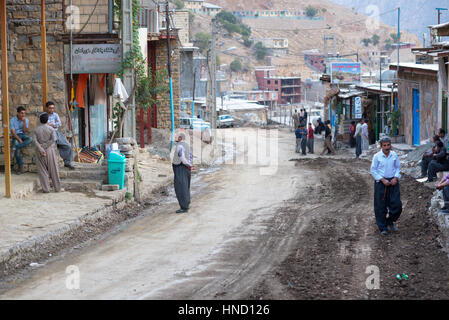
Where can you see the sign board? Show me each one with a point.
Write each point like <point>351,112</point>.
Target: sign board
<point>346,72</point>
<point>358,108</point>
<point>93,58</point>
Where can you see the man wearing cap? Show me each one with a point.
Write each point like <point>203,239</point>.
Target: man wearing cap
<point>47,164</point>
<point>182,165</point>
<point>385,169</point>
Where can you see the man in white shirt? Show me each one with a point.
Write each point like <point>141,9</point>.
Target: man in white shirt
<point>365,136</point>
<point>385,169</point>
<point>182,165</point>
<point>358,139</point>
<point>64,147</point>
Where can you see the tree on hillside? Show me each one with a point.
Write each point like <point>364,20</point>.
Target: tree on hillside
<point>366,42</point>
<point>260,50</point>
<point>226,16</point>
<point>375,39</point>
<point>236,65</point>
<point>179,4</point>
<point>247,42</point>
<point>311,11</point>
<point>202,39</point>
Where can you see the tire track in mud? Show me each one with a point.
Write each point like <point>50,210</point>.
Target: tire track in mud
<point>342,240</point>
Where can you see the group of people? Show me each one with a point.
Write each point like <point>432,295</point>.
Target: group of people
<point>45,136</point>
<point>299,118</point>
<point>359,137</point>
<point>304,139</point>
<point>436,159</point>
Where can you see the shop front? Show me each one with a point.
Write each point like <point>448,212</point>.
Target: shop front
<point>89,77</point>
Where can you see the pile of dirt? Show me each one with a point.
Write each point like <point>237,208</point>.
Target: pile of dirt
<point>331,257</point>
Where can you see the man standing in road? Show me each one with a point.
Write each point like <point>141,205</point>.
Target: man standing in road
<point>47,163</point>
<point>64,147</point>
<point>182,166</point>
<point>310,139</point>
<point>358,139</point>
<point>365,136</point>
<point>385,169</point>
<point>328,139</point>
<point>295,119</point>
<point>19,126</point>
<point>304,134</point>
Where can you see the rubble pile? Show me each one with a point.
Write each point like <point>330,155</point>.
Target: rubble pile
<point>128,147</point>
<point>441,219</point>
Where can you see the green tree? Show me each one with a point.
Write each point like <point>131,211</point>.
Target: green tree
<point>226,16</point>
<point>179,4</point>
<point>296,31</point>
<point>202,41</point>
<point>375,39</point>
<point>311,11</point>
<point>387,44</point>
<point>394,37</point>
<point>260,50</point>
<point>366,42</point>
<point>323,10</point>
<point>191,17</point>
<point>247,42</point>
<point>236,65</point>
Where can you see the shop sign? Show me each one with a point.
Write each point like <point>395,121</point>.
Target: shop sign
<point>93,58</point>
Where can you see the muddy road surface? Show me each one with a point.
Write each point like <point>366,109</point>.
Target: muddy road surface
<point>305,232</point>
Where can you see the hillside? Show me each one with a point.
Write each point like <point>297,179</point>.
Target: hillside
<point>416,15</point>
<point>348,27</point>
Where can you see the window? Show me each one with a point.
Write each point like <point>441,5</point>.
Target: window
<point>276,82</point>
<point>268,82</point>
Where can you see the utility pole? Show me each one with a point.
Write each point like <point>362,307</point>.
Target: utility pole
<point>167,25</point>
<point>5,98</point>
<point>213,76</point>
<point>44,55</point>
<point>439,13</point>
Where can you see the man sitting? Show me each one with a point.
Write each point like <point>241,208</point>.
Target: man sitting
<point>428,157</point>
<point>19,126</point>
<point>444,185</point>
<point>440,162</point>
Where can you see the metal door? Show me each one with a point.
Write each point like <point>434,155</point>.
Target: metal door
<point>416,138</point>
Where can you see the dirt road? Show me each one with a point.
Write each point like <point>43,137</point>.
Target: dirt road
<point>307,232</point>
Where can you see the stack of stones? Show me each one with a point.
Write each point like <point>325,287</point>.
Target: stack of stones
<point>128,147</point>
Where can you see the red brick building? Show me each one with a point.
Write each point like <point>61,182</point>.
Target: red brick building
<point>288,88</point>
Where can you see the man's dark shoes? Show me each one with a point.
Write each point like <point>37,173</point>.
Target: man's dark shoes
<point>69,166</point>
<point>393,228</point>
<point>182,211</point>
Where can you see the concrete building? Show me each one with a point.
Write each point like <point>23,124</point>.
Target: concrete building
<point>194,5</point>
<point>275,46</point>
<point>314,59</point>
<point>210,9</point>
<point>288,88</point>
<point>417,97</point>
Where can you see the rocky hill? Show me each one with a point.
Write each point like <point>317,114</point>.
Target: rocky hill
<point>416,15</point>
<point>348,27</point>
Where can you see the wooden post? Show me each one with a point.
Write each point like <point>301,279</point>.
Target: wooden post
<point>44,55</point>
<point>5,97</point>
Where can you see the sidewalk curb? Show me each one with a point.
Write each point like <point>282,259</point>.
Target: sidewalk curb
<point>84,228</point>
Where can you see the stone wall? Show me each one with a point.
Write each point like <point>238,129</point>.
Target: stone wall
<point>24,61</point>
<point>163,111</point>
<point>98,21</point>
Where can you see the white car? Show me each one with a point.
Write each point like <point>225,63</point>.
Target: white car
<point>225,121</point>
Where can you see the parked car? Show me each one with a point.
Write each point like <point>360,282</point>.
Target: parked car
<point>225,121</point>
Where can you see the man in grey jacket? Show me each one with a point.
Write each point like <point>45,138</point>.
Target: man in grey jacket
<point>182,165</point>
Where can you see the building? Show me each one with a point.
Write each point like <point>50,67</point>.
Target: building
<point>210,9</point>
<point>199,6</point>
<point>275,46</point>
<point>314,59</point>
<point>417,101</point>
<point>288,88</point>
<point>194,5</point>
<point>438,52</point>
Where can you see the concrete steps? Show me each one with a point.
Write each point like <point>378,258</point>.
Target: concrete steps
<point>85,177</point>
<point>81,185</point>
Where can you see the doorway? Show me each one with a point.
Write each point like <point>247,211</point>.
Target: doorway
<point>416,133</point>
